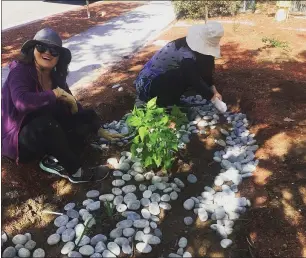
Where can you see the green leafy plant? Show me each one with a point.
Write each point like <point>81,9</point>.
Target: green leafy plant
<point>109,208</point>
<point>272,42</point>
<point>156,141</point>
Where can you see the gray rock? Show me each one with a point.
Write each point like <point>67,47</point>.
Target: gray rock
<point>73,214</point>
<point>18,246</point>
<point>147,194</point>
<point>187,255</point>
<point>114,248</point>
<point>68,235</point>
<point>30,245</point>
<point>61,220</point>
<point>154,208</point>
<point>180,251</point>
<point>145,213</point>
<point>141,223</point>
<point>116,191</point>
<point>96,255</point>
<point>134,205</point>
<point>121,241</point>
<point>69,206</point>
<point>143,248</point>
<point>146,230</point>
<point>155,218</point>
<point>19,239</point>
<point>152,188</point>
<point>188,204</point>
<point>129,189</point>
<point>173,255</point>
<point>72,223</point>
<point>153,225</point>
<point>93,206</point>
<point>115,233</point>
<point>126,177</point>
<point>165,198</point>
<point>142,187</point>
<point>121,207</point>
<point>9,252</point>
<point>192,179</point>
<point>127,249</point>
<point>124,224</point>
<point>151,240</point>
<point>165,205</point>
<point>155,197</point>
<point>160,186</point>
<point>139,177</point>
<point>86,250</point>
<point>84,241</point>
<point>108,254</point>
<point>145,202</point>
<point>179,183</point>
<point>118,182</point>
<point>173,196</point>
<point>92,194</point>
<point>24,253</point>
<point>158,233</point>
<point>39,253</point>
<point>117,173</point>
<point>88,201</point>
<point>128,232</point>
<point>53,239</point>
<point>100,247</point>
<point>106,197</point>
<point>168,190</point>
<point>182,242</point>
<point>74,254</point>
<point>188,221</point>
<point>67,248</point>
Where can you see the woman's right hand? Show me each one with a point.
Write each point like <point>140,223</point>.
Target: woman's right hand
<point>68,98</point>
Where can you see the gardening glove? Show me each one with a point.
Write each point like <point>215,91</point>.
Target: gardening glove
<point>67,98</point>
<point>109,136</point>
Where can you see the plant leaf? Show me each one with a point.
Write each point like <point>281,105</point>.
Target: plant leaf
<point>142,132</point>
<point>152,103</point>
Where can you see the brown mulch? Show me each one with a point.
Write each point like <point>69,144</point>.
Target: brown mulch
<point>267,84</point>
<point>66,24</point>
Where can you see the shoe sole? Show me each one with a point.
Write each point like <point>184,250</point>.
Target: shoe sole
<point>51,171</point>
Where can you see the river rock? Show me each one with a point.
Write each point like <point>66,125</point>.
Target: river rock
<point>182,242</point>
<point>129,189</point>
<point>142,187</point>
<point>154,208</point>
<point>165,205</point>
<point>106,197</point>
<point>84,241</point>
<point>126,177</point>
<point>98,238</point>
<point>96,255</point>
<point>179,183</point>
<point>87,250</point>
<point>24,253</point>
<point>68,235</point>
<point>128,232</point>
<point>92,194</point>
<point>147,194</point>
<point>187,255</point>
<point>145,213</point>
<point>18,246</point>
<point>88,201</point>
<point>53,239</point>
<point>121,241</point>
<point>192,179</point>
<point>69,206</point>
<point>71,224</point>
<point>188,204</point>
<point>19,239</point>
<point>67,248</point>
<point>117,173</point>
<point>165,198</point>
<point>9,252</point>
<point>126,248</point>
<point>118,182</point>
<point>155,197</point>
<point>73,214</point>
<point>139,177</point>
<point>143,248</point>
<point>134,205</point>
<point>93,206</point>
<point>121,207</point>
<point>39,253</point>
<point>115,233</point>
<point>152,188</point>
<point>116,191</point>
<point>100,247</point>
<point>145,202</point>
<point>114,248</point>
<point>141,223</point>
<point>180,251</point>
<point>188,221</point>
<point>124,224</point>
<point>108,254</point>
<point>30,245</point>
<point>74,254</point>
<point>173,196</point>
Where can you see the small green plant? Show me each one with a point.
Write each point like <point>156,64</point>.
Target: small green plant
<point>109,208</point>
<point>272,42</point>
<point>156,141</point>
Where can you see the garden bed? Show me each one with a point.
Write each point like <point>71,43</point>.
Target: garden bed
<point>266,91</point>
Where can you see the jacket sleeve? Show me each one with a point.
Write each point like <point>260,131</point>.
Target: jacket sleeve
<point>23,96</point>
<point>192,75</point>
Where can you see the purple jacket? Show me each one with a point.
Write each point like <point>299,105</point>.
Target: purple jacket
<point>21,95</point>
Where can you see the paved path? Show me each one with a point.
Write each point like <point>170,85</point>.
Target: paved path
<point>15,13</point>
<point>102,46</point>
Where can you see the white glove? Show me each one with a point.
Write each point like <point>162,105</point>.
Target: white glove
<point>220,105</point>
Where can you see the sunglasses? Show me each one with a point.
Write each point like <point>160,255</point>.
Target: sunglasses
<point>44,48</point>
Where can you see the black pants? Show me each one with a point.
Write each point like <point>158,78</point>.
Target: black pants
<point>61,136</point>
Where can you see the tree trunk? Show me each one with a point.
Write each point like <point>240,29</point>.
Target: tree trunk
<point>88,12</point>
<point>206,13</point>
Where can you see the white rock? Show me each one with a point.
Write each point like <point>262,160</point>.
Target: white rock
<point>156,179</point>
<point>74,254</point>
<point>192,179</point>
<point>53,239</point>
<point>173,196</point>
<point>118,200</point>
<point>124,224</point>
<point>30,245</point>
<point>132,215</point>
<point>127,232</point>
<point>165,198</point>
<point>84,241</point>
<point>106,197</point>
<point>187,255</point>
<point>146,230</point>
<point>24,253</point>
<point>100,247</point>
<point>127,249</point>
<point>108,254</point>
<point>117,173</point>
<point>18,246</point>
<point>154,208</point>
<point>39,253</point>
<point>113,162</point>
<point>188,204</point>
<point>78,229</point>
<point>86,250</point>
<point>92,194</point>
<point>88,201</point>
<point>141,223</point>
<point>73,214</point>
<point>139,236</point>
<point>115,233</point>
<point>118,182</point>
<point>139,177</point>
<point>9,252</point>
<point>152,188</point>
<point>71,224</point>
<point>149,175</point>
<point>202,213</point>
<point>67,248</point>
<point>207,196</point>
<point>168,190</point>
<point>93,206</point>
<point>160,186</point>
<point>179,182</point>
<point>82,212</point>
<point>143,248</point>
<point>145,213</point>
<point>121,207</point>
<point>165,205</point>
<point>69,206</point>
<point>173,255</point>
<point>126,177</point>
<point>124,166</point>
<point>182,242</point>
<point>129,189</point>
<point>218,181</point>
<point>151,240</point>
<point>188,221</point>
<point>153,225</point>
<point>145,202</point>
<point>134,205</point>
<point>116,191</point>
<point>142,187</point>
<point>68,235</point>
<point>121,241</point>
<point>220,213</point>
<point>180,251</point>
<point>114,248</point>
<point>19,239</point>
<point>155,218</point>
<point>96,255</point>
<point>155,197</point>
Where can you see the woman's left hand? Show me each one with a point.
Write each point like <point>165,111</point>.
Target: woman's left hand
<point>216,93</point>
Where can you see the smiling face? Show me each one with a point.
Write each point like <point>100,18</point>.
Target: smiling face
<point>44,58</point>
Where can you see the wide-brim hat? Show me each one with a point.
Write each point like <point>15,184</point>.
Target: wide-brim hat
<point>49,37</point>
<point>205,38</point>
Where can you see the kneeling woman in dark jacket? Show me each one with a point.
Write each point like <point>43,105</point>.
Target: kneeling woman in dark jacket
<point>40,117</point>
<point>184,63</point>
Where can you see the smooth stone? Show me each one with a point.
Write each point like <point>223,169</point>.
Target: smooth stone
<point>155,197</point>
<point>19,239</point>
<point>146,230</point>
<point>67,248</point>
<point>121,241</point>
<point>96,255</point>
<point>220,213</point>
<point>126,249</point>
<point>118,200</point>
<point>18,246</point>
<point>121,207</point>
<point>152,188</point>
<point>9,252</point>
<point>173,255</point>
<point>188,204</point>
<point>192,179</point>
<point>188,221</point>
<point>156,179</point>
<point>158,233</point>
<point>145,202</point>
<point>131,215</point>
<point>151,240</point>
<point>143,248</point>
<point>117,173</point>
<point>154,208</point>
<point>74,254</point>
<point>107,197</point>
<point>182,242</point>
<point>153,225</point>
<point>145,213</point>
<point>114,248</point>
<point>147,194</point>
<point>116,191</point>
<point>139,235</point>
<point>139,178</point>
<point>61,220</point>
<point>39,253</point>
<point>217,159</point>
<point>53,239</point>
<point>126,177</point>
<point>92,194</point>
<point>118,182</point>
<point>68,235</point>
<point>161,186</point>
<point>187,255</point>
<point>124,224</point>
<point>218,181</point>
<point>60,230</point>
<point>73,214</point>
<point>179,182</point>
<point>141,223</point>
<point>207,196</point>
<point>155,218</point>
<point>124,166</point>
<point>100,247</point>
<point>180,251</point>
<point>82,212</point>
<point>24,253</point>
<point>108,254</point>
<point>138,169</point>
<point>69,206</point>
<point>173,196</point>
<point>72,223</point>
<point>128,232</point>
<point>142,187</point>
<point>86,250</point>
<point>30,245</point>
<point>168,190</point>
<point>79,230</point>
<point>134,205</point>
<point>165,198</point>
<point>115,233</point>
<point>149,175</point>
<point>94,206</point>
<point>165,205</point>
<point>129,189</point>
<point>84,241</point>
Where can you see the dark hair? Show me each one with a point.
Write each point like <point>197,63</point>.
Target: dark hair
<point>27,57</point>
<point>181,42</point>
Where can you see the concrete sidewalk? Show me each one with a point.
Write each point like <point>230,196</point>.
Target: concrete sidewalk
<point>104,45</point>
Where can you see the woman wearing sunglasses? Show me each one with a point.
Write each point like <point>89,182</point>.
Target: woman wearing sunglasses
<point>41,118</point>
